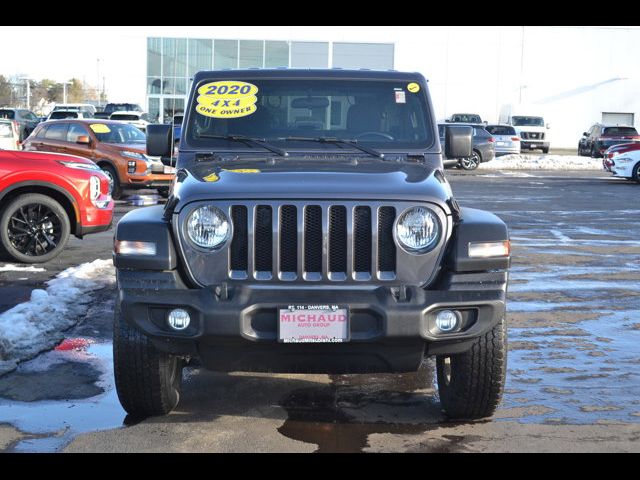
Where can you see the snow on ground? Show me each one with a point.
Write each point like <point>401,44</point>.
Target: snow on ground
<point>542,162</point>
<point>19,268</point>
<point>37,325</point>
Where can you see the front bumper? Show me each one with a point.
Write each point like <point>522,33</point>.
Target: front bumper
<point>234,327</point>
<point>534,144</point>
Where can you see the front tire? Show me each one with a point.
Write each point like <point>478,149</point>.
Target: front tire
<point>470,384</point>
<point>34,228</point>
<point>148,381</point>
<point>114,182</point>
<point>545,150</point>
<point>636,173</point>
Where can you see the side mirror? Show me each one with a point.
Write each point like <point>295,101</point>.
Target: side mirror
<point>159,140</point>
<point>83,140</point>
<point>548,126</point>
<point>584,134</point>
<point>458,141</point>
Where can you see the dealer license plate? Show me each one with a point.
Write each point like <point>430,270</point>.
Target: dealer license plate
<point>313,324</point>
<point>168,169</point>
<point>501,144</point>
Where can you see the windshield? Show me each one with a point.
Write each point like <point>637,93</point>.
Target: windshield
<point>9,114</point>
<point>378,114</point>
<point>118,133</point>
<point>466,118</point>
<point>500,130</point>
<point>122,116</point>
<point>619,131</point>
<point>528,121</point>
<point>57,115</point>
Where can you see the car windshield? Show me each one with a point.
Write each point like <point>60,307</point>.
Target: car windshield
<point>59,114</point>
<point>121,116</point>
<point>118,133</point>
<point>465,118</point>
<point>528,121</point>
<point>620,131</point>
<point>289,113</point>
<point>500,130</point>
<point>8,114</point>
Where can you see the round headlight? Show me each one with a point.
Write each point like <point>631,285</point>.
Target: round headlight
<point>208,227</point>
<point>418,229</point>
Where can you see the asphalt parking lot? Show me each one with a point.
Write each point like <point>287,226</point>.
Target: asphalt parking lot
<point>573,380</point>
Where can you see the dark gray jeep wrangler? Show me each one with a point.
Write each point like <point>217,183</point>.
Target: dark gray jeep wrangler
<point>310,229</point>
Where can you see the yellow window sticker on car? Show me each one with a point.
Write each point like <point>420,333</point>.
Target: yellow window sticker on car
<point>242,170</point>
<point>226,99</point>
<point>413,87</point>
<point>212,177</point>
<point>99,128</point>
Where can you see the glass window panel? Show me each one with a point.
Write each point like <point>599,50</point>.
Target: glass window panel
<point>251,53</point>
<point>154,108</point>
<point>200,55</point>
<point>309,54</point>
<point>174,86</point>
<point>276,54</point>
<point>375,56</point>
<point>174,57</point>
<point>154,85</point>
<point>225,54</point>
<point>171,107</point>
<point>154,56</point>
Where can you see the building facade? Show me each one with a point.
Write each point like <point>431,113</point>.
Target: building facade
<point>172,62</point>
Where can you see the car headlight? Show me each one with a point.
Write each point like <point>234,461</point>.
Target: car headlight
<point>79,165</point>
<point>139,156</point>
<point>418,230</point>
<point>208,227</point>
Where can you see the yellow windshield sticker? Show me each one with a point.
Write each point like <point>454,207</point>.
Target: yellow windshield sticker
<point>99,128</point>
<point>226,99</point>
<point>413,87</point>
<point>211,178</point>
<point>243,170</point>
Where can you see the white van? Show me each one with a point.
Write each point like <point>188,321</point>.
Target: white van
<point>530,126</point>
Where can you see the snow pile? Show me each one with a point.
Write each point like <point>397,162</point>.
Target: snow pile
<point>542,162</point>
<point>19,268</point>
<point>37,325</point>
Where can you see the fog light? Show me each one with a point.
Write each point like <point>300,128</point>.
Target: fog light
<point>447,320</point>
<point>178,319</point>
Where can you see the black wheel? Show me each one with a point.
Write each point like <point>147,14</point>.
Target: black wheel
<point>472,162</point>
<point>545,150</point>
<point>636,173</point>
<point>114,182</point>
<point>148,381</point>
<point>163,192</point>
<point>593,153</point>
<point>580,153</point>
<point>470,384</point>
<point>34,228</point>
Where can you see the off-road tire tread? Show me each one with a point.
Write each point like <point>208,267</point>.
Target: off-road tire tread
<point>141,372</point>
<point>477,377</point>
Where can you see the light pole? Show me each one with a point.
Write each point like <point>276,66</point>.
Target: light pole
<point>28,81</point>
<point>64,92</point>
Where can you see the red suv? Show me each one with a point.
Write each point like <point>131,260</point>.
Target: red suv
<point>44,198</point>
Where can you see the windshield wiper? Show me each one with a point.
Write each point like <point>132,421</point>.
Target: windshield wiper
<point>249,140</point>
<point>352,142</point>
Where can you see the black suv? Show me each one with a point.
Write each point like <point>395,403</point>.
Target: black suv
<point>311,228</point>
<point>600,137</point>
<point>117,107</point>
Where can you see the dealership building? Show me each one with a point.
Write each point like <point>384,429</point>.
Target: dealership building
<point>573,76</point>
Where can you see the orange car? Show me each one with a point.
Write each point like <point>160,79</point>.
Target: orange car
<point>118,148</point>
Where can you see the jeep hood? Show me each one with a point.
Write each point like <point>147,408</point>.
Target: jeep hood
<point>312,179</point>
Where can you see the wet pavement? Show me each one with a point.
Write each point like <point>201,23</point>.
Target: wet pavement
<point>573,381</point>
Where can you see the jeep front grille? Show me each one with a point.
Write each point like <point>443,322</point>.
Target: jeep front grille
<point>359,242</point>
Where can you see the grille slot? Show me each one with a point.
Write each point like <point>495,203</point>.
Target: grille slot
<point>386,246</point>
<point>263,240</point>
<point>338,239</point>
<point>313,239</point>
<point>362,240</point>
<point>239,251</point>
<point>288,239</point>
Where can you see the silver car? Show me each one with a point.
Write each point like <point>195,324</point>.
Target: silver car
<point>507,140</point>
